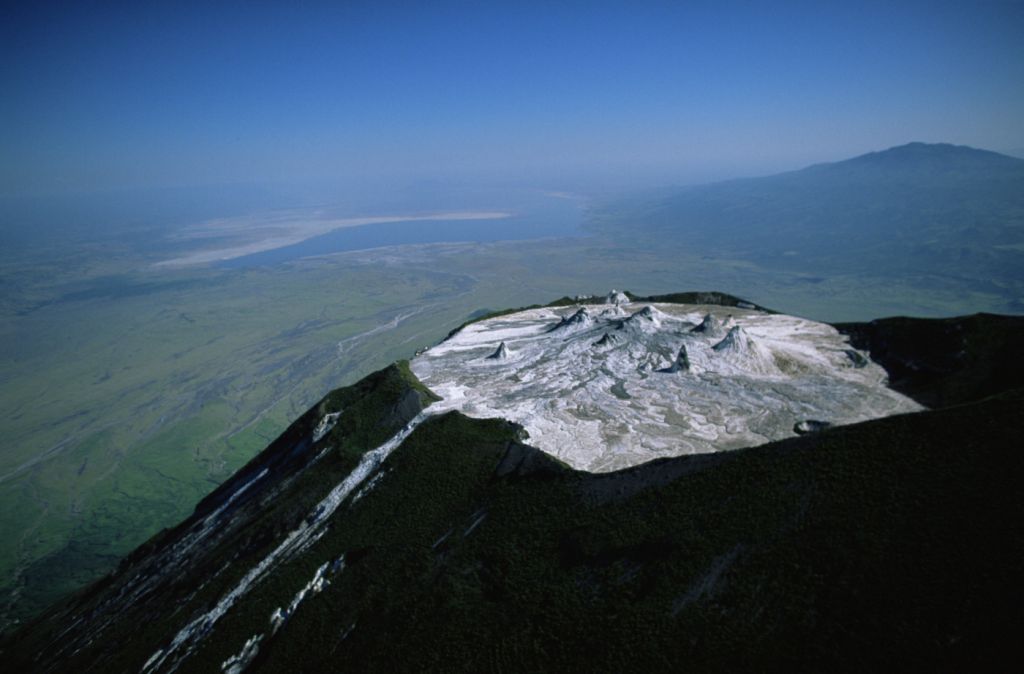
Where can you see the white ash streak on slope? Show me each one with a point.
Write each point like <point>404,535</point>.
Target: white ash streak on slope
<point>325,425</point>
<point>142,582</point>
<point>237,663</point>
<point>210,520</point>
<point>198,628</point>
<point>315,586</point>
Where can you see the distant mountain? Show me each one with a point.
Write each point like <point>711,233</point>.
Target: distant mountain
<point>373,535</point>
<point>917,209</point>
<point>917,160</point>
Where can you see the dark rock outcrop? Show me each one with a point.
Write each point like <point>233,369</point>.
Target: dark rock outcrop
<point>808,426</point>
<point>580,318</point>
<point>736,341</point>
<point>947,361</point>
<point>501,353</point>
<point>680,364</point>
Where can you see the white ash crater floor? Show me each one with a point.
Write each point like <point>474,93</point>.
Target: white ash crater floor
<point>604,387</point>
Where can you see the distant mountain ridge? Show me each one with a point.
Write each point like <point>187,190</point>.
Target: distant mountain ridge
<point>918,155</point>
<point>940,210</point>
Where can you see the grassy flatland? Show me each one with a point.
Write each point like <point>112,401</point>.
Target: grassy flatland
<point>128,395</point>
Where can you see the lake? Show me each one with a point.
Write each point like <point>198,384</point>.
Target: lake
<point>551,217</point>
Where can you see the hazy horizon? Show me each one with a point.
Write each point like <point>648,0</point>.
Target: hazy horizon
<point>103,100</point>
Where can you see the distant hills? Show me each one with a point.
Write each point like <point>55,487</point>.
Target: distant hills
<point>917,209</point>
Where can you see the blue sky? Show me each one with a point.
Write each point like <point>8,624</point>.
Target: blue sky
<point>113,96</point>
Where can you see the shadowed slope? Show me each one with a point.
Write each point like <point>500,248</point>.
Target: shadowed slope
<point>888,544</point>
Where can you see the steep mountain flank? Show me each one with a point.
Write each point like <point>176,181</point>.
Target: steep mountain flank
<point>941,362</point>
<point>378,535</point>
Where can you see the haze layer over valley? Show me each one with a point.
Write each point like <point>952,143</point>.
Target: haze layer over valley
<point>607,386</point>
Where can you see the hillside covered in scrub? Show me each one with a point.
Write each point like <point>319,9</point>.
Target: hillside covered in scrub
<point>376,535</point>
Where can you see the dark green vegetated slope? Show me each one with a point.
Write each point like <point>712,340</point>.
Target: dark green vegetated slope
<point>891,543</point>
<point>135,609</point>
<point>941,362</point>
<point>895,543</point>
